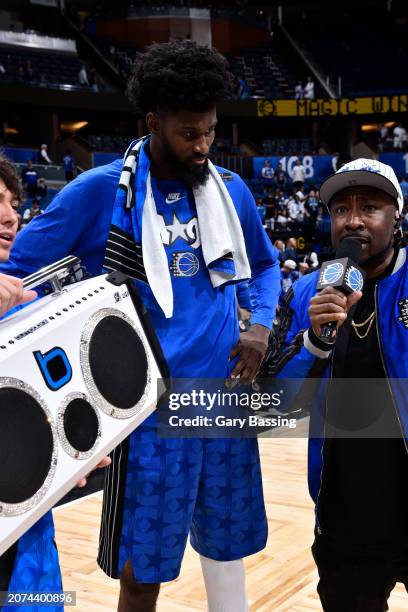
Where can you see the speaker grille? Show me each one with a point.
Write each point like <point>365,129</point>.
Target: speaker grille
<point>28,451</point>
<point>115,363</point>
<point>78,426</point>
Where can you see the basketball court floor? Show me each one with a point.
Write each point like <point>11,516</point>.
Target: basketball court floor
<point>280,578</point>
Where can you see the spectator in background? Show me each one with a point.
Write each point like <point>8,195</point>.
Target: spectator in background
<point>296,210</point>
<point>291,250</point>
<point>298,175</point>
<point>243,89</point>
<point>311,207</point>
<point>268,172</point>
<point>303,269</point>
<point>299,91</point>
<point>335,162</point>
<point>279,200</point>
<point>311,259</point>
<point>68,164</point>
<point>261,209</point>
<point>309,91</point>
<point>288,274</point>
<point>280,246</point>
<point>300,194</point>
<point>29,179</point>
<point>2,71</point>
<point>41,188</point>
<point>265,193</point>
<point>32,212</point>
<point>43,155</point>
<point>83,77</point>
<point>282,220</point>
<point>400,136</point>
<point>281,177</point>
<point>404,189</point>
<point>270,205</point>
<point>382,136</point>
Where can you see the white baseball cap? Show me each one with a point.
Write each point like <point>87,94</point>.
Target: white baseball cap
<point>289,263</point>
<point>363,172</point>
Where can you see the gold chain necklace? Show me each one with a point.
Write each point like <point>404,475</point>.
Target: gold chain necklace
<point>369,321</point>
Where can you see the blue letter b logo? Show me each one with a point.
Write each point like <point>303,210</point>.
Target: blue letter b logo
<point>55,367</point>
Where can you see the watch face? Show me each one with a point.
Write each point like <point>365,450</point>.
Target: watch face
<point>332,273</point>
<point>354,279</point>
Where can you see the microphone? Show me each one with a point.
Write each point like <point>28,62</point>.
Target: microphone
<point>343,274</point>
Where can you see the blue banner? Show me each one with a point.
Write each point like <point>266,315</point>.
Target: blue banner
<point>398,161</point>
<point>20,156</point>
<point>317,167</point>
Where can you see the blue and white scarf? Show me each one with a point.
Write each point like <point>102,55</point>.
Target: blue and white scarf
<point>135,246</point>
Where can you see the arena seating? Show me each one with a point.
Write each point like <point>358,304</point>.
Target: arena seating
<point>265,71</point>
<point>288,146</point>
<point>369,64</point>
<point>49,69</point>
<point>224,146</point>
<point>107,142</point>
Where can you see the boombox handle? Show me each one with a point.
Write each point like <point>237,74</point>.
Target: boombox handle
<point>61,273</point>
<point>69,270</point>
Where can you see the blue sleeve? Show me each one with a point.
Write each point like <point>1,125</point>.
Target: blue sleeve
<point>264,285</point>
<point>244,295</point>
<point>75,223</point>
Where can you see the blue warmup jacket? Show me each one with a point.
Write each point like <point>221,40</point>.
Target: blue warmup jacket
<point>293,356</point>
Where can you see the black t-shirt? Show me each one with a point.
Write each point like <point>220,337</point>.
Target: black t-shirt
<point>364,497</point>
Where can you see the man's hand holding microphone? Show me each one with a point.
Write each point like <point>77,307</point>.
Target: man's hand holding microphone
<point>339,288</point>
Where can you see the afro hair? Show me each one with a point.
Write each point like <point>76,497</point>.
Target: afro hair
<point>181,75</point>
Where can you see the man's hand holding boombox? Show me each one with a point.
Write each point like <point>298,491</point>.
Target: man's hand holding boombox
<point>12,293</point>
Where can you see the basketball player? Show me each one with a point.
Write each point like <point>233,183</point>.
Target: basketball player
<point>31,565</point>
<point>165,488</point>
<point>358,482</point>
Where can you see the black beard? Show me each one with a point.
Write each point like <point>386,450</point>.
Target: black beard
<point>192,178</point>
<point>380,257</point>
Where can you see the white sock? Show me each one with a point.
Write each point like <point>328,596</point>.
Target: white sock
<point>225,585</point>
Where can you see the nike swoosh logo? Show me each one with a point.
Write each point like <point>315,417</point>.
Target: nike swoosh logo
<point>173,200</point>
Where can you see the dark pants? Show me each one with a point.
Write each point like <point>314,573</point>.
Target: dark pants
<point>356,581</point>
<point>6,567</point>
<point>136,596</point>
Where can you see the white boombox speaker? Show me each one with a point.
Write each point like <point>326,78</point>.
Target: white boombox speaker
<point>79,371</point>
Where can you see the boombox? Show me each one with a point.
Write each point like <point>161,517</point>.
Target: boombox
<point>79,370</point>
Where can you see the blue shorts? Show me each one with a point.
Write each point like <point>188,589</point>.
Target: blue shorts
<point>36,567</point>
<point>211,489</point>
